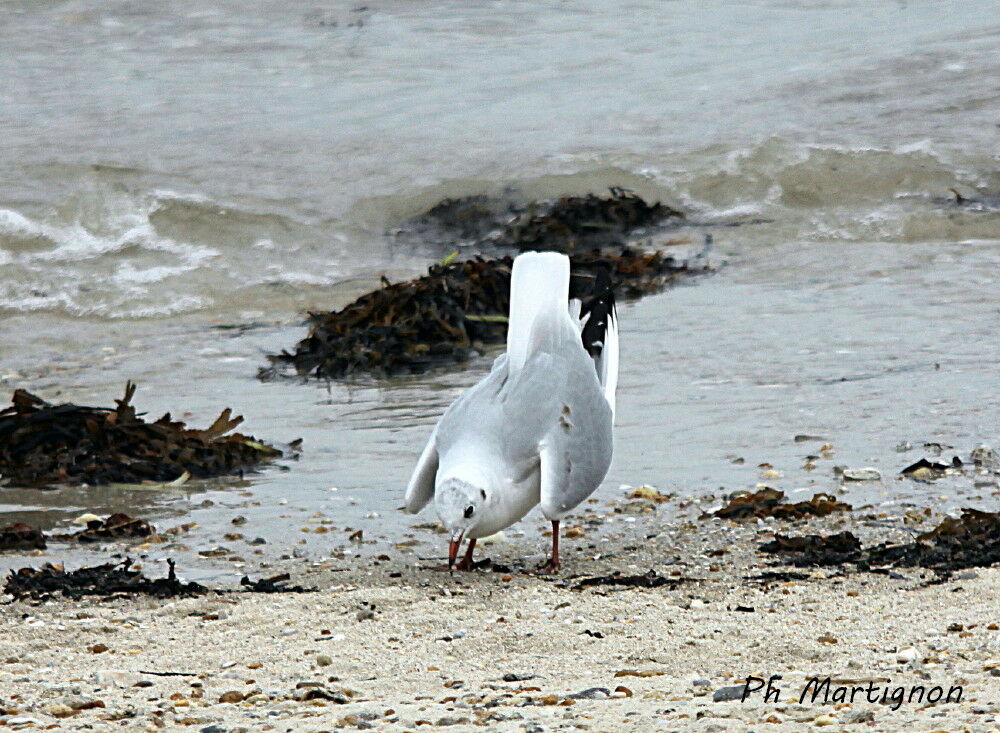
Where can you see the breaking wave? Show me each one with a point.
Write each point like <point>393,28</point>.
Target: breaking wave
<point>119,255</point>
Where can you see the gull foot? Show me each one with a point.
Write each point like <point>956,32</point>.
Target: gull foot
<point>547,568</point>
<point>465,565</point>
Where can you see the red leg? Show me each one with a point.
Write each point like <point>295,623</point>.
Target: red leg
<point>466,563</point>
<point>553,564</point>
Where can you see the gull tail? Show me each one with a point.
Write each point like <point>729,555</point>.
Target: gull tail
<point>600,334</point>
<point>539,295</point>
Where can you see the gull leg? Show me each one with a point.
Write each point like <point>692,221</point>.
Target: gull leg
<point>466,563</point>
<point>553,564</point>
<point>453,544</point>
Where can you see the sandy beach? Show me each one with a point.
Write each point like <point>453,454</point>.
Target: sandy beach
<point>391,645</point>
<point>298,215</point>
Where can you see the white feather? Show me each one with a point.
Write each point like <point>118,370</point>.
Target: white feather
<point>539,285</point>
<point>607,363</point>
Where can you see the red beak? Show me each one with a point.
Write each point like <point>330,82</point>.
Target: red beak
<point>453,545</point>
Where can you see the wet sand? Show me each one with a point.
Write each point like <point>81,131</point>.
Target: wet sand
<point>894,345</point>
<point>397,646</point>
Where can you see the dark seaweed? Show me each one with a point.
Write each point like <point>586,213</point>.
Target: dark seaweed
<point>816,550</point>
<point>120,579</point>
<point>43,444</point>
<point>769,503</point>
<point>649,579</point>
<point>972,540</point>
<point>117,526</point>
<point>567,224</point>
<point>575,223</point>
<point>19,536</point>
<point>110,579</point>
<point>447,316</point>
<point>274,584</point>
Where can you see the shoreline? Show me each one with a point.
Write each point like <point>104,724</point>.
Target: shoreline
<point>502,651</point>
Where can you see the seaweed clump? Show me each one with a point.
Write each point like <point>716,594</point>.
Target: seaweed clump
<point>42,444</point>
<point>769,502</point>
<point>815,550</point>
<point>115,527</point>
<point>115,580</point>
<point>460,308</point>
<point>19,536</point>
<point>971,540</point>
<point>456,310</point>
<point>110,579</point>
<point>566,224</point>
<point>581,222</point>
<point>649,579</point>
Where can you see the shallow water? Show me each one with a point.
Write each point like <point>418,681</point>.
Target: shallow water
<point>170,168</point>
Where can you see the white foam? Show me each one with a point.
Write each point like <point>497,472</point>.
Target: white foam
<point>16,224</point>
<point>111,267</point>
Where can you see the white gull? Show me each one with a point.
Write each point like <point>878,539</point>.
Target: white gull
<point>538,428</point>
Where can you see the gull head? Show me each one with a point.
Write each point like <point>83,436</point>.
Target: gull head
<point>459,506</point>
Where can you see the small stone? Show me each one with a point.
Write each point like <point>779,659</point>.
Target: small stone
<point>323,660</point>
<point>232,696</point>
<point>984,456</point>
<point>592,693</point>
<point>906,655</point>
<point>859,716</point>
<point>518,676</point>
<point>734,692</point>
<point>862,474</point>
<point>822,720</point>
<point>212,729</point>
<point>701,682</point>
<point>58,710</point>
<point>115,678</point>
<point>451,720</point>
<point>78,702</point>
<point>366,614</point>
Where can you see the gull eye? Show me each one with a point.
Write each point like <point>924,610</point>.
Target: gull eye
<point>482,492</point>
<point>469,511</point>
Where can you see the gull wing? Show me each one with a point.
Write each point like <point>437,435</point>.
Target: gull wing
<point>420,490</point>
<point>575,453</point>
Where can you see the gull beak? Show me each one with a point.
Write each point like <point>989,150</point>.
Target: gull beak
<point>453,544</point>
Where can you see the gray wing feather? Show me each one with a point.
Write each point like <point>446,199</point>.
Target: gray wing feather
<point>459,422</point>
<point>575,449</point>
<point>420,490</point>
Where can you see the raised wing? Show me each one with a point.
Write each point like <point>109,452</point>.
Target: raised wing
<point>420,490</point>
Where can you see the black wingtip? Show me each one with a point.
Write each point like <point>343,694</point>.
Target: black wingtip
<point>601,309</point>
